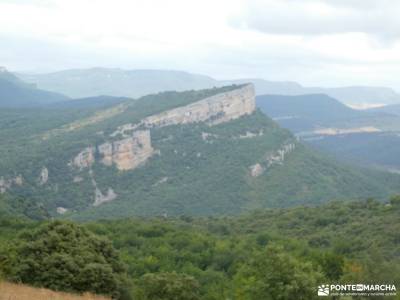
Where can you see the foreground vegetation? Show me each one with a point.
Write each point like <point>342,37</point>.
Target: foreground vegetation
<point>272,254</point>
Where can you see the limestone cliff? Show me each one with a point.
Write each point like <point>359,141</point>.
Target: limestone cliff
<point>214,110</point>
<point>127,153</point>
<point>135,148</point>
<point>84,159</point>
<point>44,176</point>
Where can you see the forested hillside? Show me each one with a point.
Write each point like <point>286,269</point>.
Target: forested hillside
<point>206,152</point>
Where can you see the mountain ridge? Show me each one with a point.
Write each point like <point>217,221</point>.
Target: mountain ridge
<point>207,152</point>
<point>79,83</point>
<point>17,93</point>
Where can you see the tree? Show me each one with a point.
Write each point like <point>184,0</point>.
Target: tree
<point>275,275</point>
<point>395,201</point>
<point>169,286</point>
<point>67,257</point>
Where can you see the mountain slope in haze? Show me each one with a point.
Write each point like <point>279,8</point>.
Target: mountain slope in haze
<point>367,137</point>
<point>117,82</point>
<point>208,152</point>
<point>376,149</point>
<point>318,111</point>
<point>305,112</point>
<point>136,83</point>
<point>16,93</point>
<point>357,96</point>
<point>390,109</point>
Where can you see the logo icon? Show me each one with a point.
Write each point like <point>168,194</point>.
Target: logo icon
<point>360,287</point>
<point>323,290</point>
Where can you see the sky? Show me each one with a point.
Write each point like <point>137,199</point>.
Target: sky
<point>313,42</point>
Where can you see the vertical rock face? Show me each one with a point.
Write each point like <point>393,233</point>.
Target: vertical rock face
<point>106,151</point>
<point>128,153</point>
<point>44,176</point>
<point>84,159</point>
<point>215,109</point>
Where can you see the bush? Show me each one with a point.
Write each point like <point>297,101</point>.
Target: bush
<point>67,257</point>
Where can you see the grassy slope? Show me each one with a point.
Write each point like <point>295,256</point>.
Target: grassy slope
<point>10,291</point>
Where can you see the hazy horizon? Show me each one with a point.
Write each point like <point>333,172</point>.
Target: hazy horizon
<point>313,42</point>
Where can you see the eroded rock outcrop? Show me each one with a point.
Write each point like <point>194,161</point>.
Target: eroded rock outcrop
<point>6,184</point>
<point>84,159</point>
<point>61,210</point>
<point>44,176</point>
<point>279,156</point>
<point>128,153</point>
<point>275,158</point>
<point>256,170</point>
<point>101,198</point>
<point>214,110</point>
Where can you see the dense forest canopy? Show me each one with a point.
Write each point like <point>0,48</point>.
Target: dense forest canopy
<point>266,254</point>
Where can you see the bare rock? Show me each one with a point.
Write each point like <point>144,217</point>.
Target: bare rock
<point>44,176</point>
<point>256,170</point>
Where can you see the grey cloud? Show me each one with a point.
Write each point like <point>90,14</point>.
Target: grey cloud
<point>321,17</point>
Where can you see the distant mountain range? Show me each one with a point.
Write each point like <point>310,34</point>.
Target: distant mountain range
<point>116,82</point>
<point>306,112</point>
<point>391,109</point>
<point>367,137</point>
<point>136,83</point>
<point>17,93</point>
<point>318,111</point>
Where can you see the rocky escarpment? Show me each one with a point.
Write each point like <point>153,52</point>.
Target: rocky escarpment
<point>128,153</point>
<point>214,110</point>
<point>135,148</point>
<point>84,159</point>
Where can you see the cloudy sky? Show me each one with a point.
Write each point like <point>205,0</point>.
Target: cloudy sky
<point>314,42</point>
